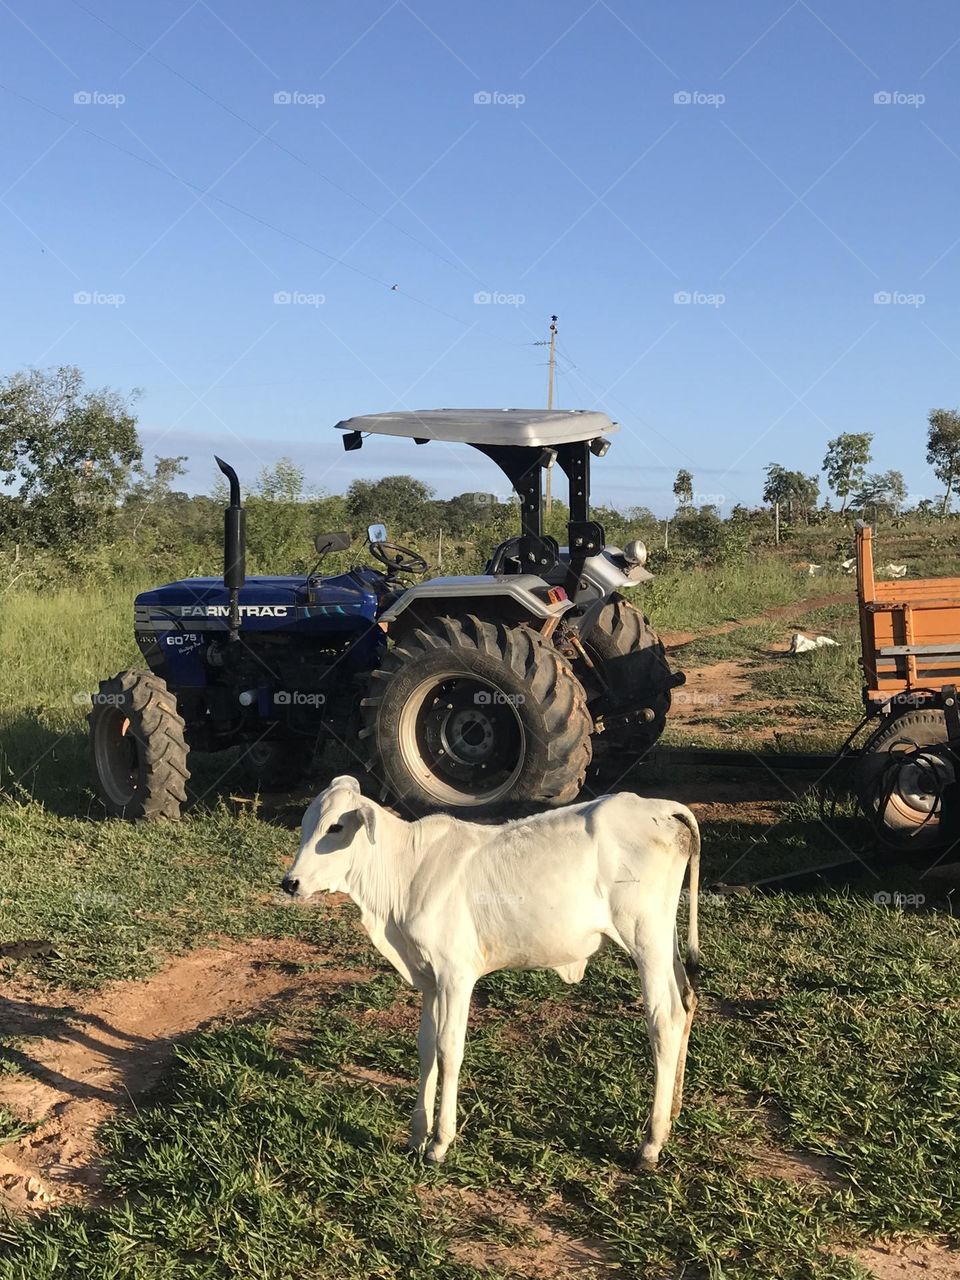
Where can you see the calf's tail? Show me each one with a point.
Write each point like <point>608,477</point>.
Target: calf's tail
<point>692,961</point>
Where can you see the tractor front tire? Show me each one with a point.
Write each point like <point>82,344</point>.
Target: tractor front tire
<point>470,714</point>
<point>139,748</point>
<point>633,672</point>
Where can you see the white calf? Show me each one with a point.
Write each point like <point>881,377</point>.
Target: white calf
<point>447,901</point>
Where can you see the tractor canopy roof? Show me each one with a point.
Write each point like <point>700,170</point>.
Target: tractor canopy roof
<point>536,428</point>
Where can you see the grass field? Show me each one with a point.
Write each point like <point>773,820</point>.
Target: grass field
<point>823,1086</point>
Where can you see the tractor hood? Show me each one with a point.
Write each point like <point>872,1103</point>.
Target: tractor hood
<point>266,603</point>
<point>202,592</point>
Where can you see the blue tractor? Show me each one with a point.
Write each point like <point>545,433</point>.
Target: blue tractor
<point>463,693</point>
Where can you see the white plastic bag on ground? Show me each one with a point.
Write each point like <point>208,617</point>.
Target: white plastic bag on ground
<point>895,570</point>
<point>804,644</point>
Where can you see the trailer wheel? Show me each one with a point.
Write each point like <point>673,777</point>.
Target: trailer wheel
<point>902,778</point>
<point>139,748</point>
<point>633,664</point>
<point>469,714</point>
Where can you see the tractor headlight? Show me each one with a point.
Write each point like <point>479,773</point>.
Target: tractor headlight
<point>635,552</point>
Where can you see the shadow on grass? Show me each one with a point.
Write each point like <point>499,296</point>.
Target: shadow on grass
<point>43,764</point>
<point>802,856</point>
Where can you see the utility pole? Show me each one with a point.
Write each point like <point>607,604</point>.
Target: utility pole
<point>551,366</point>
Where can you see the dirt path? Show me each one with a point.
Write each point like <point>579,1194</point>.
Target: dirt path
<point>724,688</point>
<point>711,691</point>
<point>675,640</point>
<point>83,1060</point>
<point>926,1260</point>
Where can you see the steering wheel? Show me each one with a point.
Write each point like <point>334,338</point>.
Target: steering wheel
<point>398,559</point>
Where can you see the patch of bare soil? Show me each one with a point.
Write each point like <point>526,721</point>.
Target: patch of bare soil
<point>710,689</point>
<point>929,1260</point>
<point>724,688</point>
<point>402,1015</point>
<point>793,1166</point>
<point>547,1019</point>
<point>717,691</point>
<point>81,1061</point>
<point>491,1229</point>
<point>381,1079</point>
<point>674,640</point>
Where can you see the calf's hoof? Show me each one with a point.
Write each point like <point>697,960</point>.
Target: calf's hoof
<point>435,1154</point>
<point>646,1163</point>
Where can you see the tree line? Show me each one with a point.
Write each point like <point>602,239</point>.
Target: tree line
<point>845,466</point>
<point>77,497</point>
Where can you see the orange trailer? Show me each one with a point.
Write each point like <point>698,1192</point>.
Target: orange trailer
<point>909,631</point>
<point>910,641</point>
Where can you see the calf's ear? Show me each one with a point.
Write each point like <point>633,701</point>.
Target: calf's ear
<point>345,780</point>
<point>368,815</point>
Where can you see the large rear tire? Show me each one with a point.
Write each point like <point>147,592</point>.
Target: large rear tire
<point>632,672</point>
<point>902,780</point>
<point>469,714</point>
<point>139,748</point>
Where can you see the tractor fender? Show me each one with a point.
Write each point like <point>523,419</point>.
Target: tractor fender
<point>520,588</point>
<point>606,572</point>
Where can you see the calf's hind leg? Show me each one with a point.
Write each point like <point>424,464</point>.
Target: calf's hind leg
<point>666,1018</point>
<point>689,998</point>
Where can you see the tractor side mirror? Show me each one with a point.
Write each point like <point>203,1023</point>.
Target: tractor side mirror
<point>376,533</point>
<point>326,542</point>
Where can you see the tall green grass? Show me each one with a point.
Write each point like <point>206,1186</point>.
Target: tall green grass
<point>688,601</point>
<point>54,649</point>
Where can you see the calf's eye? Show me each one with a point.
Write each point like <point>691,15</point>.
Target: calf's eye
<point>332,831</point>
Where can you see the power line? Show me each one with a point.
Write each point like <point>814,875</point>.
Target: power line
<point>266,137</point>
<point>246,213</point>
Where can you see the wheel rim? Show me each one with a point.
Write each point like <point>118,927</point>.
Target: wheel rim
<point>117,757</point>
<point>919,786</point>
<point>261,755</point>
<point>462,739</point>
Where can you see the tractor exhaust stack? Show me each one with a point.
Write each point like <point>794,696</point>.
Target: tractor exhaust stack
<point>234,547</point>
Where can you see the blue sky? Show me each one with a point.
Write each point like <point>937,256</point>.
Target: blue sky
<point>630,153</point>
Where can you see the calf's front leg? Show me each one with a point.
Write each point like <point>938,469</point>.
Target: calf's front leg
<point>453,1009</point>
<point>422,1122</point>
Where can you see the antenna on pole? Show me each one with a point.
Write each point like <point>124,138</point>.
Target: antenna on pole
<point>551,373</point>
